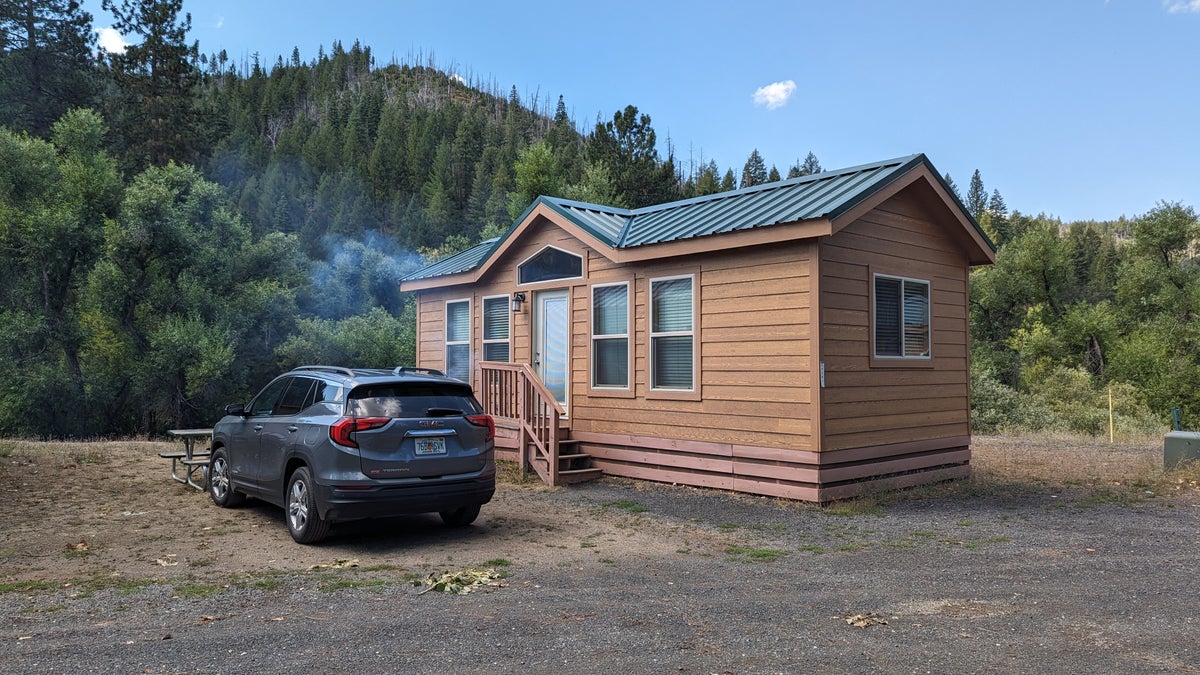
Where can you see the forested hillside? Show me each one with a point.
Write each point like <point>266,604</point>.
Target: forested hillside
<point>175,227</point>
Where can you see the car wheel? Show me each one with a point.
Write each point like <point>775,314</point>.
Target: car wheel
<point>303,520</point>
<point>219,486</point>
<point>462,516</point>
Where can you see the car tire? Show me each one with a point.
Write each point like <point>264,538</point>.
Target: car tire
<point>304,522</point>
<point>460,517</point>
<point>220,487</point>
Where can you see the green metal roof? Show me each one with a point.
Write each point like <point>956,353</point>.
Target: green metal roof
<point>823,195</point>
<point>463,261</point>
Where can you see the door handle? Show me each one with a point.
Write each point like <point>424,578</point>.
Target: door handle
<point>292,429</point>
<point>258,427</point>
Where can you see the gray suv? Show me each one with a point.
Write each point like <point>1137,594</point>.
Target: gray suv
<point>333,444</point>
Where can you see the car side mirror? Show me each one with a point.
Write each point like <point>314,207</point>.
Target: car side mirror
<point>236,409</point>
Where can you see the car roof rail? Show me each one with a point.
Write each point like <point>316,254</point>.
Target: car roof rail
<point>400,370</point>
<point>327,369</point>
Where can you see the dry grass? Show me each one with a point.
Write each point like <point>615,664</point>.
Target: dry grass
<point>1095,469</point>
<point>1069,460</point>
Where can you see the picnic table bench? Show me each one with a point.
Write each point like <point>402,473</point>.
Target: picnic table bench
<point>190,467</point>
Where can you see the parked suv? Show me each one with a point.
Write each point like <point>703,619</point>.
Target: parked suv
<point>332,444</point>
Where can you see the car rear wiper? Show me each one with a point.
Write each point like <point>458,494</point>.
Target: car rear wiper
<point>442,412</point>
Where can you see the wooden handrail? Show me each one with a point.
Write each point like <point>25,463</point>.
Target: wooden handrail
<point>514,391</point>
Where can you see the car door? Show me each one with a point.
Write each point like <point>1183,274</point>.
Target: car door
<point>245,435</point>
<point>281,432</point>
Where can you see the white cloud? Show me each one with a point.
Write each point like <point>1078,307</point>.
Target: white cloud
<point>776,94</point>
<point>457,78</point>
<point>1182,6</point>
<point>220,23</point>
<point>111,41</point>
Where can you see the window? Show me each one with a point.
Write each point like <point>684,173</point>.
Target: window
<point>671,334</point>
<point>610,336</point>
<point>901,318</point>
<point>549,264</point>
<point>458,339</point>
<point>294,399</point>
<point>495,328</point>
<point>264,403</point>
<point>411,400</point>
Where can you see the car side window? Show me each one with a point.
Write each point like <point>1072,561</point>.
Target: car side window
<point>265,402</point>
<point>293,398</point>
<point>329,392</point>
<point>312,394</point>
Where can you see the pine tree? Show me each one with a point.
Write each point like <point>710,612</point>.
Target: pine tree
<point>953,187</point>
<point>46,65</point>
<point>976,196</point>
<point>728,182</point>
<point>755,171</point>
<point>809,166</point>
<point>707,180</point>
<point>997,211</point>
<point>627,145</point>
<point>997,206</point>
<point>157,76</point>
<point>773,176</point>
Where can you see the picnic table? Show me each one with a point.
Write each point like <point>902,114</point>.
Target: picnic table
<point>190,465</point>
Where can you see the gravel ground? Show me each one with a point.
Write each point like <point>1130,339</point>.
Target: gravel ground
<point>622,576</point>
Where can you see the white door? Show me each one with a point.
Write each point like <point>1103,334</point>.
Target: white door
<point>552,339</point>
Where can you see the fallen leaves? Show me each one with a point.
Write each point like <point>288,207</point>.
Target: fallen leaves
<point>865,620</point>
<point>461,582</point>
<point>335,565</point>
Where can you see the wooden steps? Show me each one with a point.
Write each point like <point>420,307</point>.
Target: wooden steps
<point>573,466</point>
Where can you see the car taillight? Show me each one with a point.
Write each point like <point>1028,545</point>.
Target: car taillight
<point>484,421</point>
<point>342,431</point>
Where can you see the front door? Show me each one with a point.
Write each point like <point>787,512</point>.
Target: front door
<point>551,343</point>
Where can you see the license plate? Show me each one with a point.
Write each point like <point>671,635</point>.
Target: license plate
<point>431,446</point>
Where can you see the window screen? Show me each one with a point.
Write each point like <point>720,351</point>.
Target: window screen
<point>901,317</point>
<point>610,336</point>
<point>458,339</point>
<point>495,329</point>
<point>672,345</point>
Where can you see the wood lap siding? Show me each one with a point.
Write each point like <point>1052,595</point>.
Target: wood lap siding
<point>864,406</point>
<point>755,355</point>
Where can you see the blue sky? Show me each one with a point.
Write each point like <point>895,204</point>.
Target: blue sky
<point>1081,109</point>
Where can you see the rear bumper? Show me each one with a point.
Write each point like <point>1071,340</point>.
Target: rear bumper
<point>381,501</point>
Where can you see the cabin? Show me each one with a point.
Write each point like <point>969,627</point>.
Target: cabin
<point>804,339</point>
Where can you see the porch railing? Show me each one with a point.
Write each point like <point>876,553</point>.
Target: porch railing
<point>514,392</point>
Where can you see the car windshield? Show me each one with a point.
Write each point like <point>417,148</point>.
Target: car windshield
<point>417,399</point>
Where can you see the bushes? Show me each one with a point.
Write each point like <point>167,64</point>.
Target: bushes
<point>1058,399</point>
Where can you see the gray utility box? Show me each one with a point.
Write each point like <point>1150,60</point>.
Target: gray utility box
<point>1179,447</point>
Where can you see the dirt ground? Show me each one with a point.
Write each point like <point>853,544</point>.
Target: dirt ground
<point>76,511</point>
<point>1059,555</point>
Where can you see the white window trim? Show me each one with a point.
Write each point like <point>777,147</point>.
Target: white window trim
<point>455,343</point>
<point>928,356</point>
<point>652,334</point>
<point>505,300</point>
<point>582,267</point>
<point>628,335</point>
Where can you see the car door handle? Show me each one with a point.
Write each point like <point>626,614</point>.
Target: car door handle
<point>293,429</point>
<point>257,428</point>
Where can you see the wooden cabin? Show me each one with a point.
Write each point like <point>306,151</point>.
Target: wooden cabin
<point>804,339</point>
